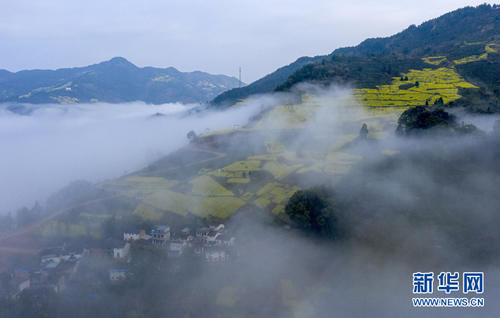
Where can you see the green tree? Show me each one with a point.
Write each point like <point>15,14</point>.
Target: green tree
<point>110,227</point>
<point>363,133</point>
<point>314,211</point>
<point>439,101</point>
<point>37,304</point>
<point>5,282</point>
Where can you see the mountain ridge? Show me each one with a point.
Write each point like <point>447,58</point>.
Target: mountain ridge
<point>115,80</point>
<point>440,29</point>
<point>449,35</point>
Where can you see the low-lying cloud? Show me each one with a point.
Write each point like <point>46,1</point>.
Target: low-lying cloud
<point>429,205</point>
<point>44,147</point>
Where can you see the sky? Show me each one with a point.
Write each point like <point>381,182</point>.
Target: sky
<point>216,36</point>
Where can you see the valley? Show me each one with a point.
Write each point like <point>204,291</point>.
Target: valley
<point>318,190</point>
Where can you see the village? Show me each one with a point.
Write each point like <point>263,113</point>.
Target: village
<point>59,266</point>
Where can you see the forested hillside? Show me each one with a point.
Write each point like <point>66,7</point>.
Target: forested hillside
<point>464,43</point>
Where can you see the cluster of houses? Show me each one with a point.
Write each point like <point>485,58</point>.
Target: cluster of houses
<point>57,266</point>
<point>212,244</point>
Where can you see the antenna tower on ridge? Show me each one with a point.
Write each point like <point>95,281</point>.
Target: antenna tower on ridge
<point>239,79</point>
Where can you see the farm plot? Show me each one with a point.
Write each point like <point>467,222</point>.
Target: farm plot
<point>417,87</point>
<point>274,194</point>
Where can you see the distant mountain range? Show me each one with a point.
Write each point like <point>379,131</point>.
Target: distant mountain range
<point>466,41</point>
<point>113,81</point>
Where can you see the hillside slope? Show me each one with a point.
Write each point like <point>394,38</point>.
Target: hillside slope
<point>256,168</point>
<point>465,41</point>
<point>437,36</point>
<point>264,85</point>
<point>113,81</point>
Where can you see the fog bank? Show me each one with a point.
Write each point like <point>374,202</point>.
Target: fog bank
<point>46,147</point>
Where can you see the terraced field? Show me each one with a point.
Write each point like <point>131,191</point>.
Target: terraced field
<point>227,296</point>
<point>264,180</point>
<point>382,106</point>
<point>288,116</point>
<point>147,212</point>
<point>492,47</point>
<point>87,225</point>
<point>434,60</point>
<point>421,87</point>
<point>489,48</point>
<point>205,185</point>
<point>222,185</point>
<point>472,58</point>
<point>274,196</point>
<point>260,181</point>
<point>138,186</point>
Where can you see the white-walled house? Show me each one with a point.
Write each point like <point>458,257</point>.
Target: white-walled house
<point>210,234</point>
<point>219,228</point>
<point>116,274</point>
<point>135,236</point>
<point>122,252</point>
<point>53,258</point>
<point>160,235</point>
<point>176,248</point>
<point>215,256</point>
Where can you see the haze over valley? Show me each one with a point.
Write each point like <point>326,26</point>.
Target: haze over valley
<point>47,147</point>
<point>335,185</point>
